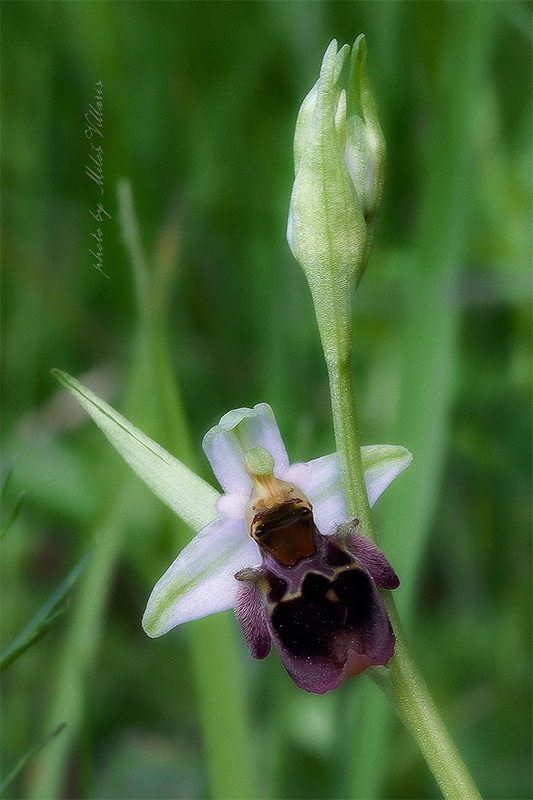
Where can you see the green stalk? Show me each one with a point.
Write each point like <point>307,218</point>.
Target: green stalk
<point>347,441</point>
<point>405,688</point>
<point>327,232</point>
<point>401,680</point>
<point>426,384</point>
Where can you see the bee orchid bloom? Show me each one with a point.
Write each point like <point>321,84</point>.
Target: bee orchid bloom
<point>282,553</point>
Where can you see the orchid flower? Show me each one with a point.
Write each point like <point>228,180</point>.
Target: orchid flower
<point>283,559</point>
<point>277,545</point>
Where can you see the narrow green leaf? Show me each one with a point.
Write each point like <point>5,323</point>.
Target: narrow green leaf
<point>11,516</point>
<point>132,240</point>
<point>21,763</point>
<point>190,497</point>
<point>44,618</point>
<point>7,476</point>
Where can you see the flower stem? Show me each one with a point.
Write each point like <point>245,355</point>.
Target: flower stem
<point>347,440</point>
<point>405,688</point>
<point>400,680</point>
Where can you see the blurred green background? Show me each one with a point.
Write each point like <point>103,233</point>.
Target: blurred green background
<point>199,105</point>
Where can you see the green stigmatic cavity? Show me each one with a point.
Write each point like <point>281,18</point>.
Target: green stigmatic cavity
<point>259,461</point>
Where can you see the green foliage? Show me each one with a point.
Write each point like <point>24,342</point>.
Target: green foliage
<point>44,619</point>
<point>199,106</point>
<point>54,607</point>
<point>21,763</point>
<point>12,515</point>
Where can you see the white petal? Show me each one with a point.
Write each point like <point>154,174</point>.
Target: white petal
<point>298,474</point>
<point>382,463</point>
<point>238,431</point>
<point>233,505</point>
<point>324,491</point>
<point>200,581</point>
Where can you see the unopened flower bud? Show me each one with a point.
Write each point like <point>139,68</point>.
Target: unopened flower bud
<point>364,150</point>
<point>339,155</point>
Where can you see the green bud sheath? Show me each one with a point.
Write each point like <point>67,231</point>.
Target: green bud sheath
<point>326,224</point>
<point>337,190</point>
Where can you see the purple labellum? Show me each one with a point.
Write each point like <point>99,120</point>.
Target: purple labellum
<point>315,597</point>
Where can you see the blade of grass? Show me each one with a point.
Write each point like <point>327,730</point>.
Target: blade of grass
<point>45,617</point>
<point>431,326</point>
<point>12,515</point>
<point>7,476</point>
<point>81,643</point>
<point>16,506</point>
<point>222,700</point>
<point>21,763</point>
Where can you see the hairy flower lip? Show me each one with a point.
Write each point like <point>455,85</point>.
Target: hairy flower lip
<point>325,615</point>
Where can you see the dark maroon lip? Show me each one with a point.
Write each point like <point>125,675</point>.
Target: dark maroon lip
<point>323,613</point>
